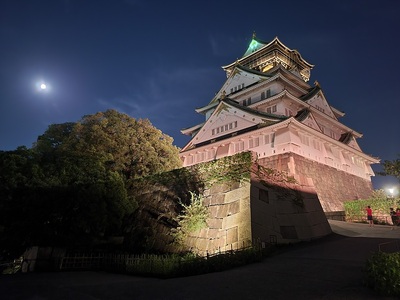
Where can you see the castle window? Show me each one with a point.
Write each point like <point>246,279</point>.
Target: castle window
<point>304,139</point>
<point>224,128</point>
<point>247,101</point>
<point>266,94</point>
<point>254,142</point>
<point>266,139</point>
<point>271,109</point>
<point>239,146</point>
<point>317,145</point>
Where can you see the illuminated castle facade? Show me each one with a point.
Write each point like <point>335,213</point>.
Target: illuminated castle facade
<point>267,106</point>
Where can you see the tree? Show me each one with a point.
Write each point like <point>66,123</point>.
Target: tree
<point>70,188</point>
<point>135,148</point>
<point>391,167</point>
<point>70,200</point>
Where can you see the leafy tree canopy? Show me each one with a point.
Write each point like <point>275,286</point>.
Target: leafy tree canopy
<point>135,148</point>
<point>391,167</point>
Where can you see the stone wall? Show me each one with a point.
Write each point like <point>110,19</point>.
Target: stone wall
<point>229,222</point>
<point>286,213</point>
<point>260,205</point>
<point>332,185</point>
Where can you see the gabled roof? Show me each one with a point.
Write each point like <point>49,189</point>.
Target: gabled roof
<point>306,117</point>
<point>253,111</point>
<point>256,44</point>
<point>249,75</point>
<point>311,93</point>
<point>314,91</point>
<point>302,114</point>
<point>227,112</point>
<point>275,73</point>
<point>260,53</point>
<point>190,130</point>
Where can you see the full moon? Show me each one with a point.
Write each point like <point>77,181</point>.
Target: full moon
<point>43,86</point>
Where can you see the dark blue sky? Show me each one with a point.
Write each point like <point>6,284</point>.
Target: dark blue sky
<point>162,59</point>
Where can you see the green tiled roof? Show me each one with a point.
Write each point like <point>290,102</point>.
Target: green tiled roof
<point>311,93</point>
<point>302,114</point>
<point>346,138</point>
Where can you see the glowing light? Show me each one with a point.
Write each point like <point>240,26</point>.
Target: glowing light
<point>253,44</point>
<point>42,86</point>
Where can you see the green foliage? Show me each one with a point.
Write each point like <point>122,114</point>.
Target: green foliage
<point>193,218</point>
<point>382,272</point>
<point>173,265</point>
<point>230,168</point>
<point>391,167</point>
<point>378,194</point>
<point>355,210</point>
<point>134,148</point>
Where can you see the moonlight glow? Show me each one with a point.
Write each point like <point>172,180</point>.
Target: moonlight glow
<point>42,86</point>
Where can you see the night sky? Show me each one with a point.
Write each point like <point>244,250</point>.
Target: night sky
<point>162,59</point>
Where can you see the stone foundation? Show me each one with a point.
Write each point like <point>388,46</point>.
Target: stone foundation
<point>333,186</point>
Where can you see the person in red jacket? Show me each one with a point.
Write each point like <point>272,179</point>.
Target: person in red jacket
<point>369,216</point>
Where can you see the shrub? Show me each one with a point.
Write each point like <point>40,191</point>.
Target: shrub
<point>193,218</point>
<point>383,273</point>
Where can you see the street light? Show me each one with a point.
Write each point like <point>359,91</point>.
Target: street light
<point>391,191</point>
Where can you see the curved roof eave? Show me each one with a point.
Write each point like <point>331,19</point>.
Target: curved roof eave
<point>202,110</point>
<point>275,40</point>
<point>253,111</point>
<point>333,141</point>
<point>191,129</point>
<point>314,110</point>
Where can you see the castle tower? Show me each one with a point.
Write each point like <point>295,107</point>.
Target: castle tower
<point>267,106</point>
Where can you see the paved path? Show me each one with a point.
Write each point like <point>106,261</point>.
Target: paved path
<point>328,268</point>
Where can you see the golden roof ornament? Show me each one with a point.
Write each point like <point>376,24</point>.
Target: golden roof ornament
<point>223,95</point>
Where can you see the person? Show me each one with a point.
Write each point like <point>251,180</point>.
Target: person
<point>398,216</point>
<point>394,217</point>
<point>369,216</point>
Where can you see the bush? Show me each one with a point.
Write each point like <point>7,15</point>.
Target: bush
<point>383,273</point>
<point>355,209</point>
<point>168,266</point>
